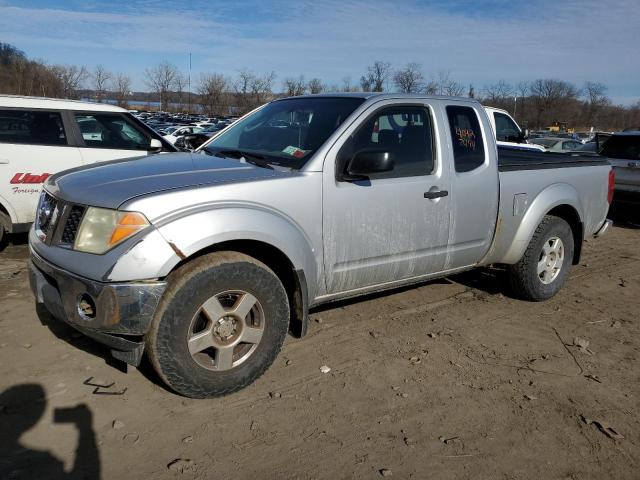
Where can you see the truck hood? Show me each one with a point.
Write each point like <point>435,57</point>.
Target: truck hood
<point>110,184</point>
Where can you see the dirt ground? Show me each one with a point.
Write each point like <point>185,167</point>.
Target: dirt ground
<point>450,380</point>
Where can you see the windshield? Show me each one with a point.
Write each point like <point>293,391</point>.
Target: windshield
<point>286,132</point>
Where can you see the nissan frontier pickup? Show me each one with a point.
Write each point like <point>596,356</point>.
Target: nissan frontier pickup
<point>204,261</point>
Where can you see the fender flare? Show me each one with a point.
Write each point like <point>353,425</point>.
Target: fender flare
<point>551,197</point>
<point>198,231</point>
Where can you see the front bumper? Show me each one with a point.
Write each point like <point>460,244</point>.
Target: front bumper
<point>119,308</point>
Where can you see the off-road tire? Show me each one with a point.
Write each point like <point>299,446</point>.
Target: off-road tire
<point>524,280</point>
<point>189,287</point>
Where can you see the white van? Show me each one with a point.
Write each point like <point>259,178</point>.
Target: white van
<point>41,136</point>
<point>508,132</point>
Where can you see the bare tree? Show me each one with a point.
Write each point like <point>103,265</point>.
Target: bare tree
<point>346,85</point>
<point>71,78</point>
<point>212,89</point>
<point>498,91</point>
<point>101,77</point>
<point>294,86</point>
<point>315,85</point>
<point>596,98</point>
<point>445,85</point>
<point>252,90</point>
<point>376,77</point>
<point>410,79</point>
<point>179,84</point>
<point>161,79</point>
<point>122,88</point>
<point>262,88</point>
<point>551,99</point>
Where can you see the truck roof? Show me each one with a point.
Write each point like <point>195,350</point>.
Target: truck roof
<point>21,101</point>
<point>381,96</point>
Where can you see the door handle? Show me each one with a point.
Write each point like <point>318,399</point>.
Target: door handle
<point>4,161</point>
<point>436,194</point>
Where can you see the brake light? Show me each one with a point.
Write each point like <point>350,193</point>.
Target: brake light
<point>612,185</point>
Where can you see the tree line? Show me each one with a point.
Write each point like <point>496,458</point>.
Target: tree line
<point>535,104</point>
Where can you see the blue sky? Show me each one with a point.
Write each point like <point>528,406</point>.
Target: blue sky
<point>478,42</point>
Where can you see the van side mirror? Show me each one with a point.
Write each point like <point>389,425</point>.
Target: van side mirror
<point>194,140</point>
<point>155,146</point>
<point>368,162</point>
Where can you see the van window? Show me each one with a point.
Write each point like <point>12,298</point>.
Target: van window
<point>506,129</point>
<point>404,132</point>
<point>466,136</point>
<point>110,130</point>
<point>32,127</point>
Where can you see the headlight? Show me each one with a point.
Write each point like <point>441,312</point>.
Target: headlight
<point>102,229</point>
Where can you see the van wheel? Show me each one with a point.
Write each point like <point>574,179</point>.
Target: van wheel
<point>542,270</point>
<point>220,325</point>
<point>5,221</point>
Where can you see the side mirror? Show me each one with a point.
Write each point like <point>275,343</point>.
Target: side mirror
<point>155,146</point>
<point>194,140</point>
<point>368,162</point>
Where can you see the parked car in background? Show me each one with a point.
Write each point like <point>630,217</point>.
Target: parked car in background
<point>555,144</point>
<point>40,137</point>
<point>623,151</point>
<point>508,132</point>
<point>206,260</point>
<point>178,132</point>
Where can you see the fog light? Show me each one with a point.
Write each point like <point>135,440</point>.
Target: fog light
<point>86,306</point>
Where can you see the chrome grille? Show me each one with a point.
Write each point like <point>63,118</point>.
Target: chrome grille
<point>47,214</point>
<point>58,222</point>
<point>72,224</point>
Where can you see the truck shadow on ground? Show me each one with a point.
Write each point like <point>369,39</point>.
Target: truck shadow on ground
<point>22,407</point>
<point>77,340</point>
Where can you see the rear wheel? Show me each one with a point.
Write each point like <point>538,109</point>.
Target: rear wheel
<point>542,270</point>
<point>220,325</point>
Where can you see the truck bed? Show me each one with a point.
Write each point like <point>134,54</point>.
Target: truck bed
<point>510,159</point>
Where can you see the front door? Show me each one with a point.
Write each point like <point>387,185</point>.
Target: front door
<point>394,225</point>
<point>33,146</point>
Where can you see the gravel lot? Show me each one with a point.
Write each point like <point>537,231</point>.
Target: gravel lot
<point>452,379</point>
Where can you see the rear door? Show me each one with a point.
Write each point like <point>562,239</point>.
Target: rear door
<point>474,190</point>
<point>385,229</point>
<point>109,136</point>
<point>34,144</point>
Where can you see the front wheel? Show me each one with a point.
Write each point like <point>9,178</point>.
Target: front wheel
<point>542,270</point>
<point>221,324</point>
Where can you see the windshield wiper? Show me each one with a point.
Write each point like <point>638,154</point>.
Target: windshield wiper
<point>253,158</point>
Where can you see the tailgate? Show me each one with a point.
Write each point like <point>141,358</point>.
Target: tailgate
<point>627,173</point>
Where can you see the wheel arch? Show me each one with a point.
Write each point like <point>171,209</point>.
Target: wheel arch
<point>271,238</point>
<point>294,280</point>
<point>7,214</point>
<point>560,200</point>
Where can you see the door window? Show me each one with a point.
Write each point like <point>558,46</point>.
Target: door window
<point>33,127</point>
<point>404,132</point>
<point>108,130</point>
<point>506,128</point>
<point>466,136</point>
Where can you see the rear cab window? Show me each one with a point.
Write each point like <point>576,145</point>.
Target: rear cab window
<point>32,127</point>
<point>466,137</point>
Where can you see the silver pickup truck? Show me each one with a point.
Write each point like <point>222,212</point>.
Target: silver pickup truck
<point>206,260</point>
